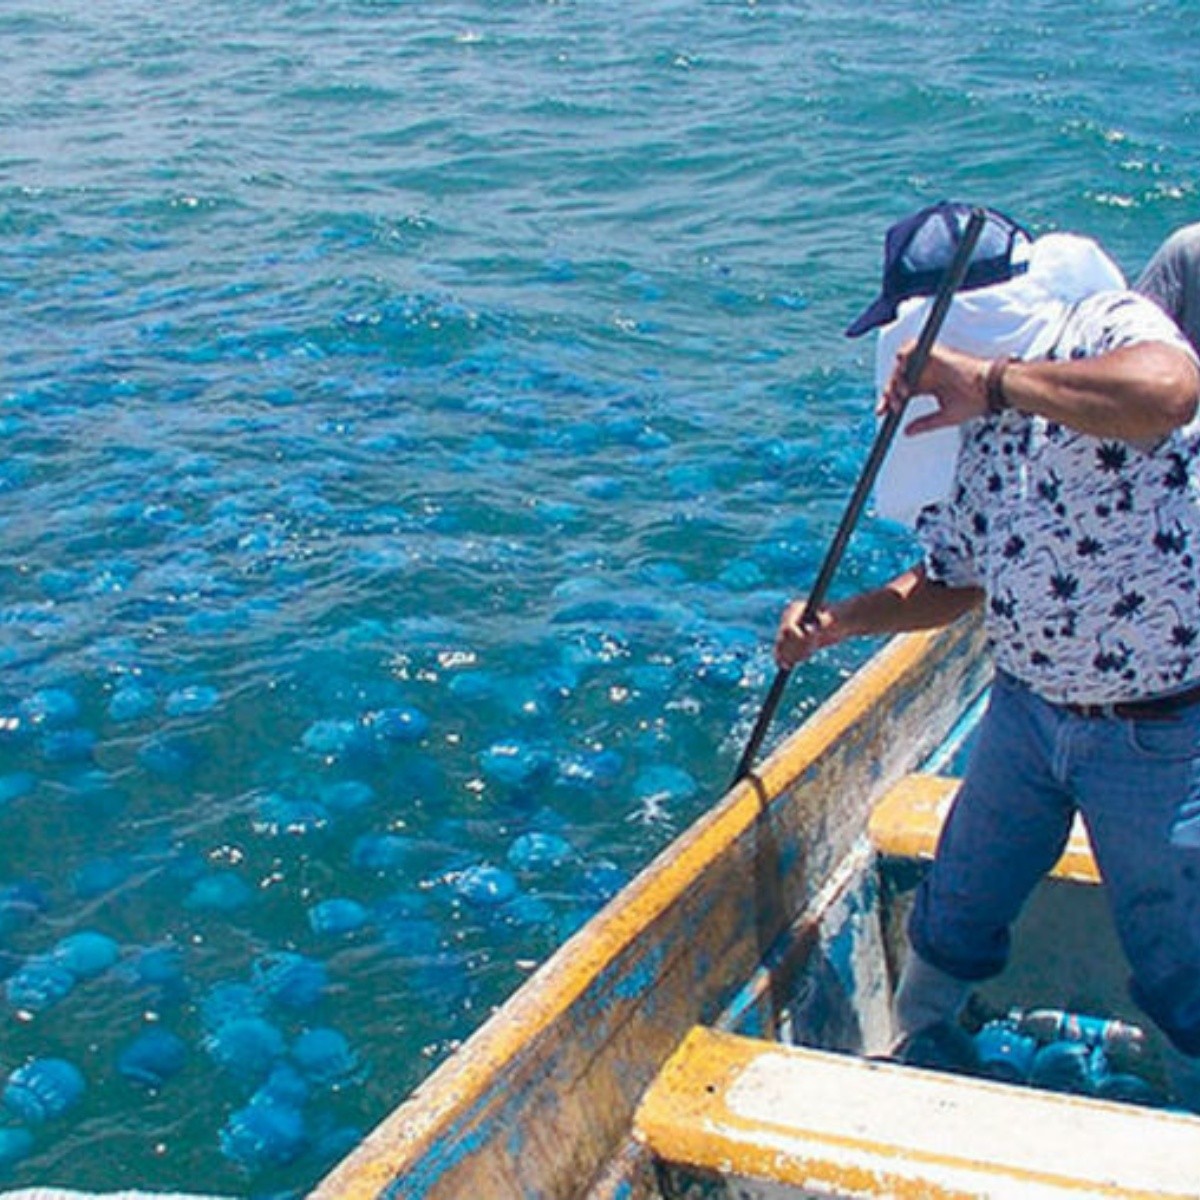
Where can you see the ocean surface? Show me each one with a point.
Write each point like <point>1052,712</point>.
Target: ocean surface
<point>415,416</point>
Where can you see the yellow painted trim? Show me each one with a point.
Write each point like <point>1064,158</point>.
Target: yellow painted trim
<point>685,1119</point>
<point>908,819</point>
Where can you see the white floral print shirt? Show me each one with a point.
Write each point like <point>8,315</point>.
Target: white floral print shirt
<point>1087,548</point>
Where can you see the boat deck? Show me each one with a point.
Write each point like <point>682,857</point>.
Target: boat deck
<point>737,1117</point>
<point>732,1116</point>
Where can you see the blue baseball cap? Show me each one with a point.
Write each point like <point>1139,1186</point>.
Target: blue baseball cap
<point>918,250</point>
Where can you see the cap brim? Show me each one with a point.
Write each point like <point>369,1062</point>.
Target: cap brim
<point>881,312</point>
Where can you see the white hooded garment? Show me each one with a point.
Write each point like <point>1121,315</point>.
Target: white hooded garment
<point>1021,318</point>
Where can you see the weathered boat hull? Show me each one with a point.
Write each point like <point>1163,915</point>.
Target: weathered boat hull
<point>538,1104</point>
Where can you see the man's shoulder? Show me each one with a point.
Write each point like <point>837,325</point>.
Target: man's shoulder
<point>1121,303</point>
<point>1109,320</point>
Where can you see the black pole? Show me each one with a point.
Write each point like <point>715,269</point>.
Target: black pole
<point>950,283</point>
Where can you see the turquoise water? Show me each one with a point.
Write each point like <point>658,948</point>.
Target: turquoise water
<point>415,417</point>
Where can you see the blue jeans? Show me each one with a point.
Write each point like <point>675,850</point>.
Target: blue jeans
<point>1136,785</point>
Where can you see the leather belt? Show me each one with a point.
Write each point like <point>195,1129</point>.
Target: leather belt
<point>1161,708</point>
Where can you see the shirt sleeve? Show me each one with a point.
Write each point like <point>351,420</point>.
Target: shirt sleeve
<point>949,551</point>
<point>1110,321</point>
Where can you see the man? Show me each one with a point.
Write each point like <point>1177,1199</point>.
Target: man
<point>1073,517</point>
<point>1172,280</point>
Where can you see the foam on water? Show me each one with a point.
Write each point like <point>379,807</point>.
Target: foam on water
<point>414,419</point>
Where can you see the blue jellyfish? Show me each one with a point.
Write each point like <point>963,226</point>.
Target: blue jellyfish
<point>220,892</point>
<point>514,763</point>
<point>661,785</point>
<point>410,936</point>
<point>38,984</point>
<point>68,745</point>
<point>246,1047</point>
<point>1063,1067</point>
<point>1003,1052</point>
<point>552,686</point>
<point>400,906</point>
<point>192,700</point>
<point>158,966</point>
<point>485,886</point>
<point>337,917</point>
<point>326,1058</point>
<point>43,1089</point>
<point>534,852</point>
<point>333,740</point>
<point>602,880</point>
<point>595,648</point>
<point>347,796</point>
<point>284,1085</point>
<point>161,967</point>
<point>334,1143</point>
<point>152,1058</point>
<point>169,758</point>
<point>51,707</point>
<point>130,701</point>
<point>588,770</point>
<point>277,815</point>
<point>383,851</point>
<point>528,912</point>
<point>268,1134</point>
<point>1127,1088</point>
<point>290,980</point>
<point>230,1000</point>
<point>652,682</point>
<point>102,875</point>
<point>400,724</point>
<point>16,1143</point>
<point>86,954</point>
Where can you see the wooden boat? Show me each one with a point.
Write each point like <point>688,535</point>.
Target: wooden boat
<point>711,1032</point>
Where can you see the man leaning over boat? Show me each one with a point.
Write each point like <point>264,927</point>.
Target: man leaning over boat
<point>1051,471</point>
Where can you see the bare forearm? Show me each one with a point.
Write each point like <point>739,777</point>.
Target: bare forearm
<point>1136,393</point>
<point>908,602</point>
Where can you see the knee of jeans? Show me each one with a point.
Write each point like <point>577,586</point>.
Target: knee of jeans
<point>1174,1006</point>
<point>966,954</point>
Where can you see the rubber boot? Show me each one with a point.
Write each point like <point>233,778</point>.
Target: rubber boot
<point>925,1014</point>
<point>1183,1078</point>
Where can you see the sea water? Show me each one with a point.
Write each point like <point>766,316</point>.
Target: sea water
<point>415,417</point>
